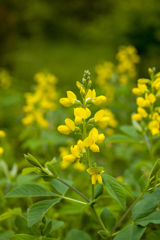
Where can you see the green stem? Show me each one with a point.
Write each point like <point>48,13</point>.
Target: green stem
<point>126,213</point>
<point>73,200</point>
<point>92,192</point>
<point>74,189</point>
<point>99,220</point>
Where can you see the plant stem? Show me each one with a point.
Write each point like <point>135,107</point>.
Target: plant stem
<point>126,213</point>
<point>99,220</point>
<point>92,192</point>
<point>74,189</point>
<point>73,200</point>
<point>149,145</point>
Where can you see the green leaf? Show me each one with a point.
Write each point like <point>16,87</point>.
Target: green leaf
<point>78,235</point>
<point>142,183</point>
<point>26,171</point>
<point>52,169</point>
<point>61,187</point>
<point>108,219</point>
<point>10,213</point>
<point>152,218</point>
<point>6,235</point>
<point>28,237</point>
<point>56,224</point>
<point>32,160</point>
<point>131,232</point>
<point>38,209</point>
<point>114,189</point>
<point>47,228</point>
<point>98,191</point>
<point>124,187</point>
<point>147,205</point>
<point>155,235</point>
<point>117,138</point>
<point>30,190</point>
<point>21,224</point>
<point>155,169</point>
<point>130,130</point>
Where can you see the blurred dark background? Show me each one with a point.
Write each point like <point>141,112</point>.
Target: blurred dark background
<point>68,36</point>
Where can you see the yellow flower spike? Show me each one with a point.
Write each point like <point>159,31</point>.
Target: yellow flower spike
<point>2,134</point>
<point>1,151</point>
<point>142,112</point>
<point>95,174</point>
<point>137,117</point>
<point>99,100</point>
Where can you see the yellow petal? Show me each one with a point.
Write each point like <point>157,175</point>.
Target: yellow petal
<point>94,179</point>
<point>70,124</point>
<point>142,112</point>
<point>151,98</point>
<point>99,115</point>
<point>69,158</point>
<point>71,96</point>
<point>64,129</point>
<point>94,147</point>
<point>78,120</point>
<point>99,178</point>
<point>101,137</point>
<point>137,117</point>
<point>91,170</point>
<point>94,134</point>
<point>99,100</point>
<point>65,102</point>
<point>88,112</point>
<point>88,141</point>
<point>137,91</point>
<point>75,151</point>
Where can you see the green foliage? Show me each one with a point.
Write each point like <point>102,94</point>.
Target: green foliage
<point>152,218</point>
<point>27,237</point>
<point>38,209</point>
<point>132,232</point>
<point>155,235</point>
<point>60,187</point>
<point>115,189</point>
<point>108,219</point>
<point>11,213</point>
<point>77,234</point>
<point>30,190</point>
<point>147,205</point>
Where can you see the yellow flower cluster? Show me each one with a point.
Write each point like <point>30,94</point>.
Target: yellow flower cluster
<point>148,91</point>
<point>41,100</point>
<point>89,140</point>
<point>2,134</point>
<point>108,73</point>
<point>127,59</point>
<point>5,79</point>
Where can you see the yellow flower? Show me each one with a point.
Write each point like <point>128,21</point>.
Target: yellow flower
<point>92,139</point>
<point>95,173</point>
<point>99,100</point>
<point>2,134</point>
<point>81,113</point>
<point>75,152</point>
<point>154,127</point>
<point>91,94</point>
<point>142,112</point>
<point>137,117</point>
<point>1,150</point>
<point>140,90</point>
<point>150,97</point>
<point>101,119</point>
<point>68,128</point>
<point>70,100</point>
<point>141,102</point>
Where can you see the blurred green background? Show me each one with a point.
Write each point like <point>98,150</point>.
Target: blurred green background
<point>68,36</point>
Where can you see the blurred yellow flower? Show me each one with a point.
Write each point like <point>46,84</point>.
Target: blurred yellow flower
<point>2,134</point>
